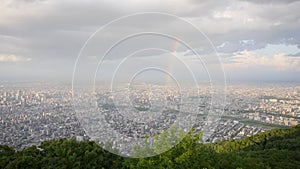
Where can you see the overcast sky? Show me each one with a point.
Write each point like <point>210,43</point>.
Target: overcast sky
<point>256,40</point>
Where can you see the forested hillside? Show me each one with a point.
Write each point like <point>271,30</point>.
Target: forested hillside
<point>278,148</point>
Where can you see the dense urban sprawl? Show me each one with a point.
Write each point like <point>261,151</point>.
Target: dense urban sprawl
<point>32,113</point>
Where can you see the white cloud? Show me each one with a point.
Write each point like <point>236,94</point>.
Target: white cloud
<point>52,32</point>
<point>249,60</point>
<point>13,58</point>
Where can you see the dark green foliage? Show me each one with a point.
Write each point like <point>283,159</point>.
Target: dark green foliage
<point>61,153</point>
<point>279,148</point>
<point>6,155</point>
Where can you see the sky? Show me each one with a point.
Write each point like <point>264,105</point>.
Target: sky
<point>254,40</point>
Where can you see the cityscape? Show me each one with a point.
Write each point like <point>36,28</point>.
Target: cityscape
<point>173,84</point>
<point>36,112</point>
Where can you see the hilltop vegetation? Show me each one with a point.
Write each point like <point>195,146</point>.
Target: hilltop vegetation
<point>278,148</point>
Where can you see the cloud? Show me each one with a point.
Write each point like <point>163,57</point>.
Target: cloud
<point>13,58</point>
<point>52,32</point>
<point>71,22</point>
<point>295,55</point>
<point>251,60</point>
<point>271,1</point>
